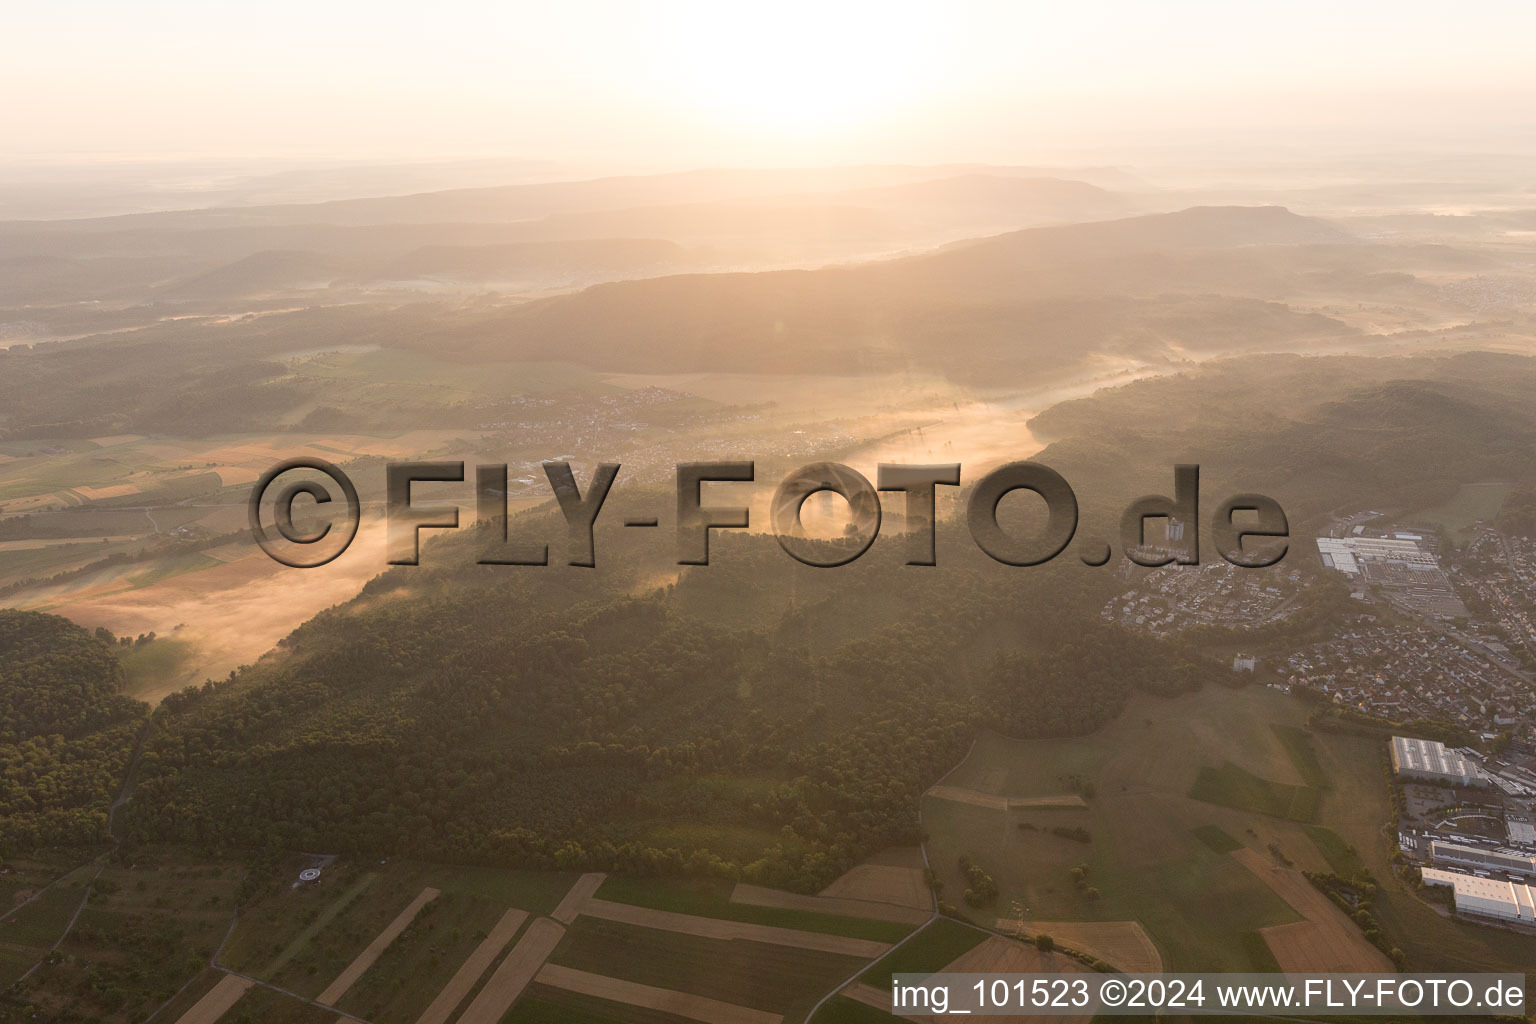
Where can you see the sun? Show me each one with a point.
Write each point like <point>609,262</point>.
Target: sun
<point>799,66</point>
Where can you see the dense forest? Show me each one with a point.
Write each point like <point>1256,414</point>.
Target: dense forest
<point>755,718</point>
<point>66,733</point>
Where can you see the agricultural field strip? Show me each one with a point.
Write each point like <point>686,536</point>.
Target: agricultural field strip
<point>1327,940</point>
<point>867,994</point>
<point>217,1002</point>
<point>474,965</point>
<point>758,896</point>
<point>683,1004</point>
<point>577,897</point>
<point>976,798</point>
<point>716,928</point>
<point>1121,944</point>
<point>885,883</point>
<point>515,972</point>
<point>348,977</point>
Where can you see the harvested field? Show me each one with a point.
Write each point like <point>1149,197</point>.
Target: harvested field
<point>217,1002</point>
<point>116,439</point>
<point>759,896</point>
<point>879,998</point>
<point>1122,944</point>
<point>97,493</point>
<point>997,955</point>
<point>1327,941</point>
<point>514,974</point>
<point>347,978</point>
<point>474,965</point>
<point>683,1004</point>
<point>577,898</point>
<point>883,883</point>
<point>230,475</point>
<point>977,798</point>
<point>714,928</point>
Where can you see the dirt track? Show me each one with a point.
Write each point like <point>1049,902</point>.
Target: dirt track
<point>474,965</point>
<point>758,896</point>
<point>712,928</point>
<point>1002,803</point>
<point>683,1004</point>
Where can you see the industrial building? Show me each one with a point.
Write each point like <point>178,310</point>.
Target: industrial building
<point>1429,761</point>
<point>1406,573</point>
<point>1519,862</point>
<point>1487,897</point>
<point>1521,833</point>
<point>1347,553</point>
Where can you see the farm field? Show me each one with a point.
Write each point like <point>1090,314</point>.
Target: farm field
<point>411,943</point>
<point>1149,857</point>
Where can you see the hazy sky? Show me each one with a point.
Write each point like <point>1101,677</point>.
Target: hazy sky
<point>793,81</point>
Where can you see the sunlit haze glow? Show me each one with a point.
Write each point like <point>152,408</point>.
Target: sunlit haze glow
<point>685,82</point>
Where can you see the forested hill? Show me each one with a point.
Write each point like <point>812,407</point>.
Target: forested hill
<point>1317,433</point>
<point>755,719</point>
<point>66,733</point>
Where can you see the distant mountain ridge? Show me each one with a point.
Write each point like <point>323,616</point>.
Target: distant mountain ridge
<point>973,302</point>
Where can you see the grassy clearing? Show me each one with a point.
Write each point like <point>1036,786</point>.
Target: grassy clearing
<point>704,897</point>
<point>164,661</point>
<point>1298,746</point>
<point>763,976</point>
<point>934,947</point>
<point>1215,837</point>
<point>1259,953</point>
<point>1458,516</point>
<point>1233,786</point>
<point>1341,857</point>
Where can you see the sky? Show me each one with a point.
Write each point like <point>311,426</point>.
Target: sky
<point>684,83</point>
